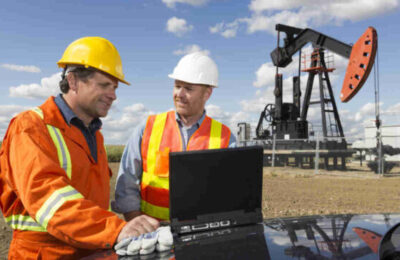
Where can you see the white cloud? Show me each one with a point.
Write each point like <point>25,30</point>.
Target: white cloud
<point>178,26</point>
<point>230,119</point>
<point>118,126</point>
<point>190,49</point>
<point>393,110</point>
<point>336,10</point>
<point>25,68</point>
<point>267,23</point>
<point>226,30</point>
<point>354,130</point>
<point>366,110</point>
<point>49,86</point>
<point>11,110</point>
<point>257,104</point>
<point>6,113</point>
<point>259,22</point>
<point>266,13</point>
<point>265,75</point>
<point>261,5</point>
<point>217,113</point>
<point>217,28</point>
<point>365,8</point>
<point>354,123</point>
<point>172,3</point>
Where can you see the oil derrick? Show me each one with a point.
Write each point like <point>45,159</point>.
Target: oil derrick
<point>321,65</point>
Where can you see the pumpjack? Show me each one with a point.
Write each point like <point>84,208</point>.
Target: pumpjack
<point>288,121</point>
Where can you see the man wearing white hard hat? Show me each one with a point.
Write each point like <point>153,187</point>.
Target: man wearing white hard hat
<point>142,184</point>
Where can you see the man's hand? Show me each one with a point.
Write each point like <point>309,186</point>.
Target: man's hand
<point>138,226</point>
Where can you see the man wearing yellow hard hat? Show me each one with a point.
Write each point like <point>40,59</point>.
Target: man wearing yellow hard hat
<point>142,185</point>
<point>54,179</point>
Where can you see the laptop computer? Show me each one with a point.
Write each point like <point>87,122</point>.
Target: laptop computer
<point>215,189</point>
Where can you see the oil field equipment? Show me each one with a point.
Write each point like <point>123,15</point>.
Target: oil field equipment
<point>287,122</point>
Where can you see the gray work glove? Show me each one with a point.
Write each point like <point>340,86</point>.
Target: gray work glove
<point>165,239</point>
<point>160,240</point>
<point>121,247</point>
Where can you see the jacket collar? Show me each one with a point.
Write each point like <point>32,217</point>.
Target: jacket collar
<point>197,124</point>
<point>71,118</point>
<point>52,114</point>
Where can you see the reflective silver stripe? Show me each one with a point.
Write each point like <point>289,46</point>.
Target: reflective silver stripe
<point>55,135</point>
<point>22,222</point>
<point>65,153</point>
<point>54,202</point>
<point>38,111</point>
<point>62,149</point>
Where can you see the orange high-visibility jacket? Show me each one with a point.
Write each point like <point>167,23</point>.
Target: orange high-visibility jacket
<point>161,136</point>
<point>52,192</point>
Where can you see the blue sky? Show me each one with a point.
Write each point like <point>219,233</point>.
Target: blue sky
<point>152,35</point>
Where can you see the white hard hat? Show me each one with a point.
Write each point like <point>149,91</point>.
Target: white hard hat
<point>196,68</point>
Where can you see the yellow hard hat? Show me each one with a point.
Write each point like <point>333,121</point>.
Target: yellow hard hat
<point>95,52</point>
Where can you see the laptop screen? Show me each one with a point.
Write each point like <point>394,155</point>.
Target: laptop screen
<point>215,181</point>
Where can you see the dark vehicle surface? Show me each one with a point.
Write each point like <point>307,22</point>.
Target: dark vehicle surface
<point>311,237</point>
<point>328,237</point>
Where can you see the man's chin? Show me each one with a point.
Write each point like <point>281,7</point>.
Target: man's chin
<point>181,111</point>
<point>102,113</point>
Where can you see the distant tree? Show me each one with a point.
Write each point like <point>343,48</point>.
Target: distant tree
<point>387,166</point>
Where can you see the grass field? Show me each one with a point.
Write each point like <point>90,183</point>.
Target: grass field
<point>291,191</point>
<point>114,152</point>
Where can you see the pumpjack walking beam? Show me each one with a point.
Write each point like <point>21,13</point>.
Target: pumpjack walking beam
<point>361,55</point>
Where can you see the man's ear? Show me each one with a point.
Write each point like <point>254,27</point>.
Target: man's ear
<point>208,93</point>
<point>72,82</point>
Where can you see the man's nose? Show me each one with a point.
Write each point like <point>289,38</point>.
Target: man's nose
<point>179,92</point>
<point>112,94</point>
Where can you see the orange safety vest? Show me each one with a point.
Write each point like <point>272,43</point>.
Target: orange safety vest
<point>160,137</point>
<point>52,192</point>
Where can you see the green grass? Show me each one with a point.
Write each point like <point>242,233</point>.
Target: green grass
<point>114,152</point>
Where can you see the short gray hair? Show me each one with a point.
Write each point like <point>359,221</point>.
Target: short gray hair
<point>80,72</point>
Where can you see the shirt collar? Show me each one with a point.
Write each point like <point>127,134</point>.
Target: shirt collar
<point>197,124</point>
<point>70,116</point>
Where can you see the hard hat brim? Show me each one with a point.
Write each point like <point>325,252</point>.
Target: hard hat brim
<point>173,77</point>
